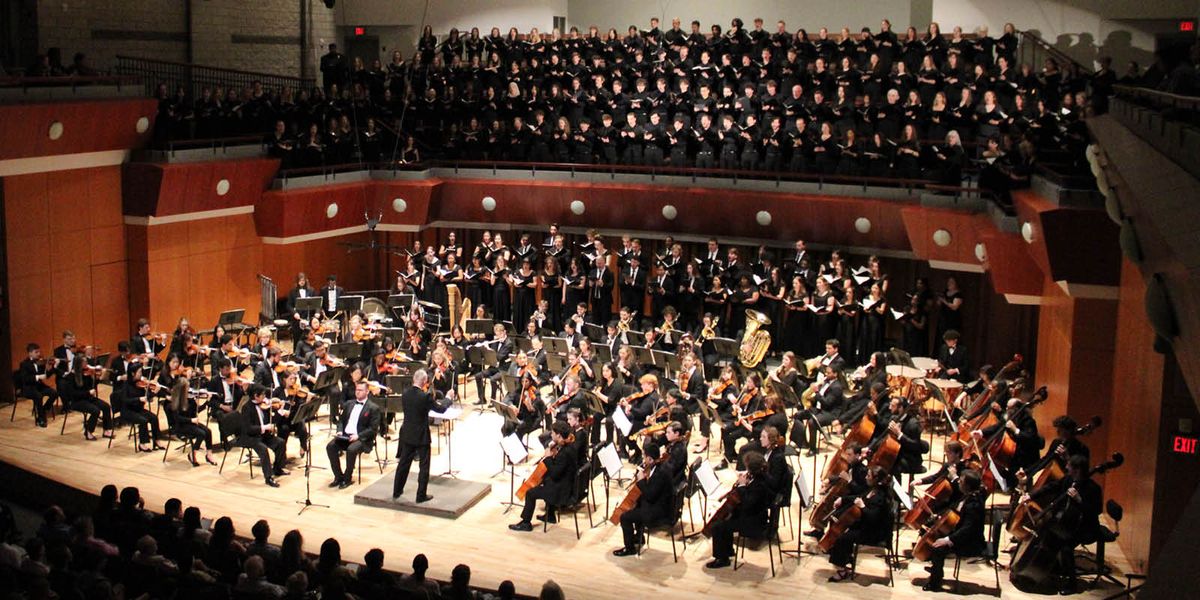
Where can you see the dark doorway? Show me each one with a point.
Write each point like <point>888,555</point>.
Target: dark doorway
<point>365,47</point>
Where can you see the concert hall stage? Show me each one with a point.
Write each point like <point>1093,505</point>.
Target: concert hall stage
<point>451,497</point>
<point>479,536</point>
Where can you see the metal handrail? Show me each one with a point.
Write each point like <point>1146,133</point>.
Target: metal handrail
<point>194,77</point>
<point>1061,57</point>
<point>1158,98</point>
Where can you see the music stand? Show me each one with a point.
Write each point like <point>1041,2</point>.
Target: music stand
<point>346,351</point>
<point>231,321</point>
<point>513,451</point>
<point>308,306</point>
<point>508,383</point>
<point>555,345</point>
<point>642,355</point>
<point>556,363</point>
<point>662,359</point>
<point>447,416</point>
<point>324,384</point>
<point>786,393</point>
<point>725,348</point>
<point>478,327</point>
<point>706,410</point>
<point>593,332</point>
<point>635,338</point>
<point>603,353</point>
<point>349,304</point>
<point>303,415</point>
<point>390,405</point>
<point>524,344</point>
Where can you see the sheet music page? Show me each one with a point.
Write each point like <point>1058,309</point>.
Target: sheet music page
<point>609,460</point>
<point>802,487</point>
<point>449,414</point>
<point>622,422</point>
<point>513,448</point>
<point>996,473</point>
<point>708,478</point>
<point>901,493</point>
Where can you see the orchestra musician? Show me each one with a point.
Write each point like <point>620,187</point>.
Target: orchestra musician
<point>78,389</point>
<point>952,469</point>
<point>267,374</point>
<point>855,476</point>
<point>556,488</point>
<point>504,348</point>
<point>952,358</point>
<point>1021,425</point>
<point>610,388</point>
<point>356,431</point>
<point>300,319</point>
<point>226,389</point>
<point>183,414</point>
<point>34,374</point>
<point>749,517</point>
<point>417,402</point>
<point>258,435</point>
<point>288,398</point>
<point>572,397</point>
<point>147,345</point>
<point>693,390</point>
<point>637,408</point>
<point>1065,445</point>
<point>872,528</point>
<point>749,401</point>
<point>330,293</point>
<point>530,408</point>
<point>828,400</point>
<point>967,538</point>
<point>1085,498</point>
<point>653,506</point>
<point>775,419</point>
<point>64,355</point>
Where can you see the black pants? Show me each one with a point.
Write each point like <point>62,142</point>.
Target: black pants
<point>335,447</point>
<point>704,160</point>
<point>521,428</point>
<point>531,498</point>
<point>937,562</point>
<point>287,428</point>
<point>260,446</point>
<point>843,549</point>
<point>146,421</point>
<point>197,433</point>
<point>406,454</point>
<point>722,536</point>
<point>491,374</point>
<point>635,521</point>
<point>729,437</point>
<point>43,396</point>
<point>94,409</point>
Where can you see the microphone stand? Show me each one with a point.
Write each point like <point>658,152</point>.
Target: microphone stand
<point>302,415</point>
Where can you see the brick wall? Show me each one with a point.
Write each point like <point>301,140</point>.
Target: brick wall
<point>263,35</point>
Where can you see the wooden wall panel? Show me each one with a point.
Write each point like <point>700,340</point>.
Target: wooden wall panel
<point>67,257</point>
<point>88,126</point>
<point>1133,421</point>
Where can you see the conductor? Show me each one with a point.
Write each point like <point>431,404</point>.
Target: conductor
<point>415,440</point>
<point>355,434</point>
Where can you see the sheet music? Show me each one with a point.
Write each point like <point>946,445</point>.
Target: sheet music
<point>535,445</point>
<point>901,493</point>
<point>621,420</point>
<point>860,279</point>
<point>996,474</point>
<point>449,414</point>
<point>802,487</point>
<point>897,314</point>
<point>707,478</point>
<point>860,271</point>
<point>609,460</point>
<point>513,448</point>
<point>868,303</point>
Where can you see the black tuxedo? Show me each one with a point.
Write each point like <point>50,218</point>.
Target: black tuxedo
<point>33,386</point>
<point>600,283</point>
<point>414,438</point>
<point>216,385</point>
<point>967,539</point>
<point>253,436</point>
<point>366,427</point>
<point>557,486</point>
<point>827,406</point>
<point>326,303</point>
<point>954,360</point>
<point>504,351</point>
<point>749,517</point>
<point>633,289</point>
<point>266,376</point>
<point>662,294</point>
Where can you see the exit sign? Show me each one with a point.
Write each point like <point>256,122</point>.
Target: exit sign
<point>1183,444</point>
<point>1187,26</point>
<point>360,30</point>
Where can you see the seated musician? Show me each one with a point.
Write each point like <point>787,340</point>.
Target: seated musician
<point>854,408</point>
<point>530,409</point>
<point>356,431</point>
<point>1065,445</point>
<point>78,388</point>
<point>579,430</point>
<point>832,357</point>
<point>750,516</point>
<point>787,374</point>
<point>777,420</point>
<point>748,402</point>
<point>828,400</point>
<point>1020,424</point>
<point>611,388</point>
<point>263,344</point>
<point>571,334</point>
<point>572,397</point>
<point>670,329</point>
<point>258,434</point>
<point>33,382</point>
<point>577,367</point>
<point>692,391</point>
<point>951,470</point>
<point>268,372</point>
<point>556,488</point>
<point>504,348</point>
<point>855,475</point>
<point>182,414</point>
<point>967,539</point>
<point>770,440</point>
<point>722,394</point>
<point>654,481</point>
<point>626,322</point>
<point>443,374</point>
<point>674,450</point>
<point>537,359</point>
<point>637,408</point>
<point>291,396</point>
<point>227,391</point>
<point>905,426</point>
<point>1085,499</point>
<point>872,528</point>
<point>135,409</point>
<point>413,345</point>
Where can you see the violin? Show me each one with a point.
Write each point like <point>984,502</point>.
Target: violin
<point>332,361</point>
<point>182,371</point>
<point>298,391</point>
<point>719,389</point>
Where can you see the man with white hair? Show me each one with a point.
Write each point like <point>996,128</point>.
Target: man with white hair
<point>415,440</point>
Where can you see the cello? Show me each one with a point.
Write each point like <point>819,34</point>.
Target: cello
<point>635,492</point>
<point>1033,565</point>
<point>975,416</point>
<point>1020,517</point>
<point>539,472</point>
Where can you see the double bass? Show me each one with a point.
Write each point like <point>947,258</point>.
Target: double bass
<point>1000,448</point>
<point>1033,565</point>
<point>976,415</point>
<point>1021,515</point>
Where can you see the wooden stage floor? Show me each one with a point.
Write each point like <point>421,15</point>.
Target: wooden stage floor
<point>480,538</point>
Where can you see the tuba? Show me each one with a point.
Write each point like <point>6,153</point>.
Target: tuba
<point>755,341</point>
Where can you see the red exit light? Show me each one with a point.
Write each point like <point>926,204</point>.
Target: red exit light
<point>1184,445</point>
<point>1187,25</point>
<point>363,30</point>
